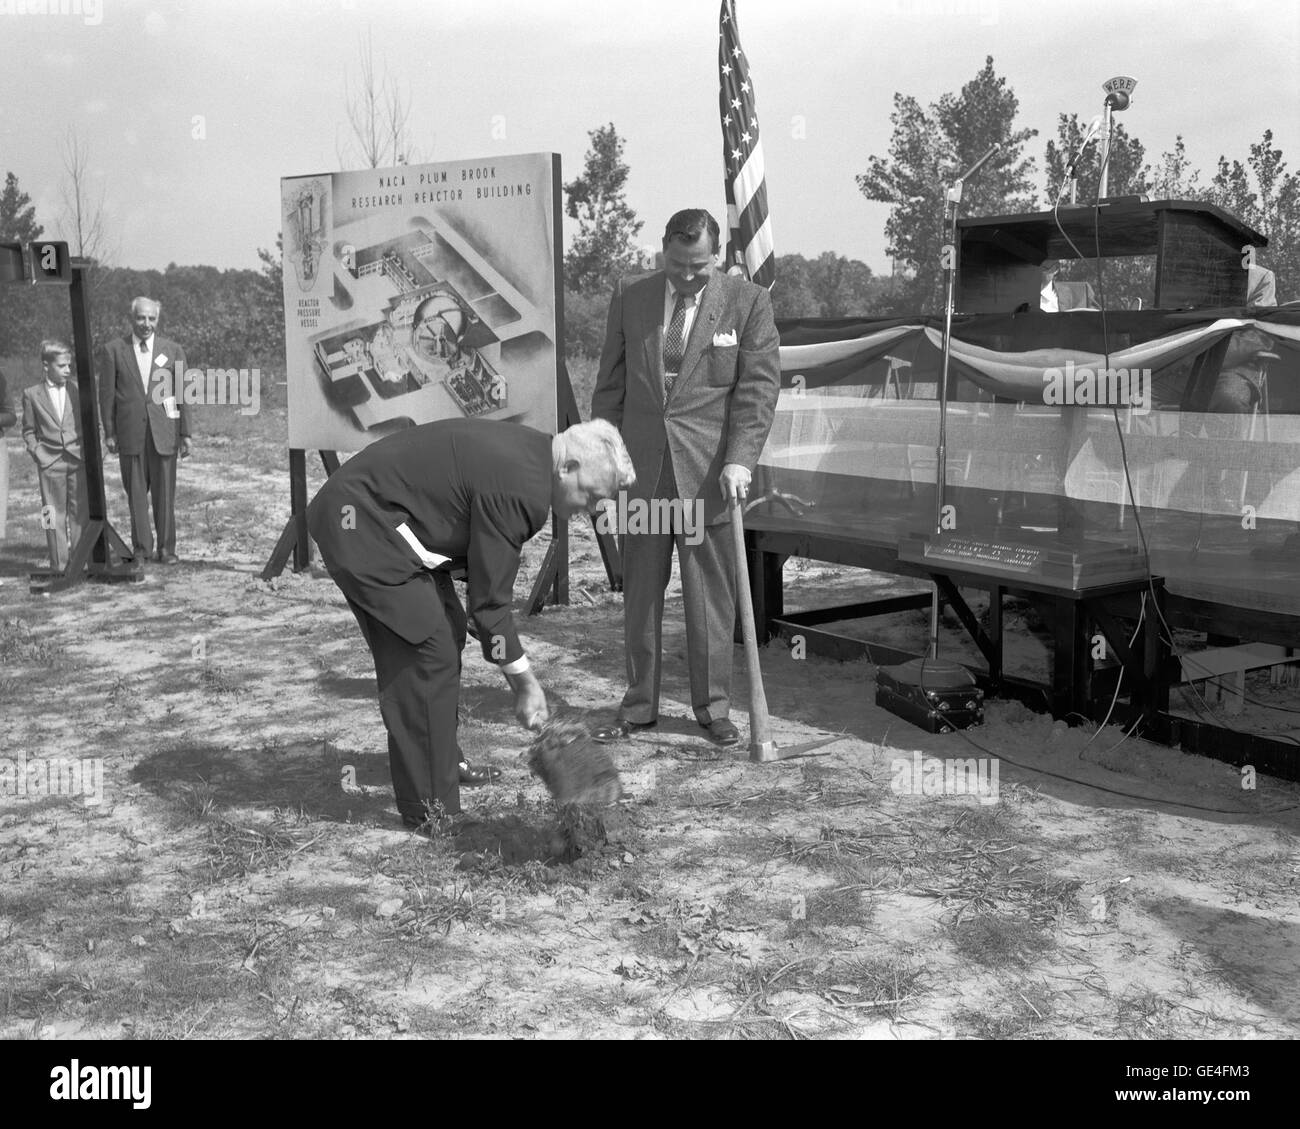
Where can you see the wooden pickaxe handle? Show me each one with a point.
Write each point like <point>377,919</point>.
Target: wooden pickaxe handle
<point>761,746</point>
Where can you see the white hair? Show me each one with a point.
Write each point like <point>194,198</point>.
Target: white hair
<point>598,444</point>
<point>143,301</point>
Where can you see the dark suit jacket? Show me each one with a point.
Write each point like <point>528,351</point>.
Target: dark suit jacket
<point>47,437</point>
<point>721,407</point>
<point>474,490</point>
<point>124,408</point>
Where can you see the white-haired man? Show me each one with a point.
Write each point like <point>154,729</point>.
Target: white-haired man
<point>146,424</point>
<point>397,519</point>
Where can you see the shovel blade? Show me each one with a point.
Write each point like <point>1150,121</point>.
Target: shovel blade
<point>768,751</point>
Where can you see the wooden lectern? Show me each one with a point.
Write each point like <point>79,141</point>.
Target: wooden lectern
<point>1200,251</point>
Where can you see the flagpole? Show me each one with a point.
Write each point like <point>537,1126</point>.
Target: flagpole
<point>750,248</point>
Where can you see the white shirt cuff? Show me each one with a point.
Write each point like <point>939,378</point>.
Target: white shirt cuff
<point>427,558</point>
<point>520,665</point>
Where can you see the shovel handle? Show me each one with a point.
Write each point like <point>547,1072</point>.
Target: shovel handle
<point>761,747</point>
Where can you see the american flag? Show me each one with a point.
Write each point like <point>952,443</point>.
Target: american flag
<point>749,238</point>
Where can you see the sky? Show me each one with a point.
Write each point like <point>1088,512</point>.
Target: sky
<point>264,84</point>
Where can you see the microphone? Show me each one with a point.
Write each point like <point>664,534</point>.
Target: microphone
<point>1094,128</point>
<point>955,191</point>
<point>970,172</point>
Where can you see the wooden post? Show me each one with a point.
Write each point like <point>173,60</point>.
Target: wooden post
<point>761,746</point>
<point>298,508</point>
<point>294,540</point>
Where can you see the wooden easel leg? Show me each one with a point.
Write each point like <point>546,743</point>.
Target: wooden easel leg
<point>560,542</point>
<point>547,576</point>
<point>294,540</point>
<point>298,509</point>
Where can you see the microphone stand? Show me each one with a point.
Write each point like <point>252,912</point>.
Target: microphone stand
<point>1103,183</point>
<point>953,199</point>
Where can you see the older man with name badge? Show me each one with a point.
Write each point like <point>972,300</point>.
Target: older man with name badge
<point>146,423</point>
<point>690,373</point>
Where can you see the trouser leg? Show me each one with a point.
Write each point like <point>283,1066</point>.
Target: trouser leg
<point>78,504</point>
<point>709,596</point>
<point>135,482</point>
<point>647,568</point>
<point>162,489</point>
<point>419,685</point>
<point>54,513</point>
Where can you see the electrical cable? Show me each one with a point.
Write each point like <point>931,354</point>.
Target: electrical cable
<point>1117,791</point>
<point>1142,612</point>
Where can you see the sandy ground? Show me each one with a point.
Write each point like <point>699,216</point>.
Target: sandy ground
<point>245,873</point>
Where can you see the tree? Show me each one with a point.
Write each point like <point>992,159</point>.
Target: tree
<point>829,286</point>
<point>270,299</point>
<point>1267,197</point>
<point>843,287</point>
<point>603,247</point>
<point>17,214</point>
<point>378,114</point>
<point>23,306</point>
<point>1174,178</point>
<point>792,293</point>
<point>82,223</point>
<point>1125,176</point>
<point>928,150</point>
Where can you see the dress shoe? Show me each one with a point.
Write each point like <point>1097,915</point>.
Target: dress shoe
<point>168,559</point>
<point>621,730</point>
<point>474,776</point>
<point>722,732</point>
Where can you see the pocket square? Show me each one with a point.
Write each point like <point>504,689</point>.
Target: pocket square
<point>721,339</point>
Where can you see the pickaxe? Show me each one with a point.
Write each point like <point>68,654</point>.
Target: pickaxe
<point>762,749</point>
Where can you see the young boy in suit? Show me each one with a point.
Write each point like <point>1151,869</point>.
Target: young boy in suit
<point>51,433</point>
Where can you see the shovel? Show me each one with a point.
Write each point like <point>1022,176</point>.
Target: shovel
<point>762,749</point>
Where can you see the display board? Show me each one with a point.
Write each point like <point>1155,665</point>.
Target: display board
<point>419,293</point>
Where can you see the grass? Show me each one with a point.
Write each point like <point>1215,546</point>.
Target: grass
<point>810,997</point>
<point>19,647</point>
<point>217,680</point>
<point>1025,1012</point>
<point>238,848</point>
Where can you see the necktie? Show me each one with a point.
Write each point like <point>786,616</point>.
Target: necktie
<point>674,345</point>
